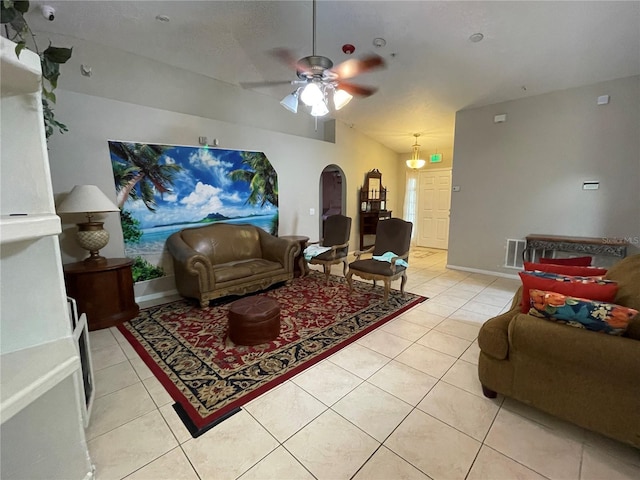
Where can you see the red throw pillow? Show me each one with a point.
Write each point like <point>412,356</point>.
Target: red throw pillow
<point>576,261</point>
<point>565,269</point>
<point>583,287</point>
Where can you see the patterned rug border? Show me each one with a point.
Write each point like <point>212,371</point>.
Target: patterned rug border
<point>194,421</point>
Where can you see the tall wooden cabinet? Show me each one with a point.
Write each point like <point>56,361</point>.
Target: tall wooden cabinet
<point>40,392</point>
<point>373,208</point>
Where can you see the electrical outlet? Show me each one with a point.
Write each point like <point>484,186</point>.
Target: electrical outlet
<point>312,211</point>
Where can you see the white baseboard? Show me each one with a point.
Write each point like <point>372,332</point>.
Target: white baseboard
<point>155,289</point>
<point>484,272</point>
<point>156,296</point>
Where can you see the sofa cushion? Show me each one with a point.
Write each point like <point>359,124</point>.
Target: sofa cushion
<point>223,243</point>
<point>580,312</point>
<point>627,273</point>
<point>564,269</point>
<point>585,287</point>
<point>574,261</point>
<point>243,269</point>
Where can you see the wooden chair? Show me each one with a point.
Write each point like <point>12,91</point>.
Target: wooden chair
<point>337,229</point>
<point>392,235</point>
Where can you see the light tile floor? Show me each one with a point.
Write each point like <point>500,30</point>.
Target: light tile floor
<point>403,402</point>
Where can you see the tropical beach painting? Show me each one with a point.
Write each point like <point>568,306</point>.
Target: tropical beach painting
<point>164,188</point>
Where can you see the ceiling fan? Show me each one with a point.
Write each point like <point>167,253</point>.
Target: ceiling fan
<point>319,82</point>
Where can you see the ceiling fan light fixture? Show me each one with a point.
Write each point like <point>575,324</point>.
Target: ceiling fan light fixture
<point>415,162</point>
<point>319,109</point>
<point>319,79</point>
<point>311,94</point>
<point>290,102</point>
<point>341,98</point>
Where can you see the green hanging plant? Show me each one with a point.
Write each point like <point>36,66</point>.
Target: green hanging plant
<point>17,30</point>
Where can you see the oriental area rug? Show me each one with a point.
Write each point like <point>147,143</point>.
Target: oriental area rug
<point>210,378</point>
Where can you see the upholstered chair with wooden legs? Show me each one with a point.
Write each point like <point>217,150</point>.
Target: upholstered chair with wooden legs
<point>392,235</point>
<point>337,229</point>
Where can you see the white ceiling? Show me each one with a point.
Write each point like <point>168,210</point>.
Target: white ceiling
<point>432,71</point>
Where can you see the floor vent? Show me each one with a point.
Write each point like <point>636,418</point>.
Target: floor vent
<point>513,256</point>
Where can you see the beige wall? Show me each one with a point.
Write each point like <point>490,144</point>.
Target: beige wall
<point>447,162</point>
<point>130,78</point>
<point>525,175</point>
<point>81,156</point>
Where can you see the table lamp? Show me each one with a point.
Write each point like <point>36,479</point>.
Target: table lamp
<point>91,236</point>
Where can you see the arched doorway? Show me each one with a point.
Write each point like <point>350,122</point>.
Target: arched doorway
<point>332,194</point>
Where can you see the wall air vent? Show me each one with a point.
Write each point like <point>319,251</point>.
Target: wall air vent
<point>513,253</point>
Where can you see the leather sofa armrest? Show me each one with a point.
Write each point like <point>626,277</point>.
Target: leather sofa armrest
<point>191,261</point>
<point>278,250</point>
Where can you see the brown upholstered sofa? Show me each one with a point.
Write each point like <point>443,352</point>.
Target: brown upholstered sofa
<point>224,259</point>
<point>588,378</point>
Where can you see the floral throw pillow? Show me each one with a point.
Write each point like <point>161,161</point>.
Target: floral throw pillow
<point>582,313</point>
<point>593,288</point>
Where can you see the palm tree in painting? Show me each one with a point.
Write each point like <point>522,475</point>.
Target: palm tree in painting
<point>123,174</point>
<point>262,180</point>
<point>261,177</point>
<point>139,174</point>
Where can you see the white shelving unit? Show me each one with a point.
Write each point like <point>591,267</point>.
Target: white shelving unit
<point>39,360</point>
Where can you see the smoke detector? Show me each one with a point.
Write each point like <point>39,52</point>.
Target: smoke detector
<point>379,42</point>
<point>348,48</point>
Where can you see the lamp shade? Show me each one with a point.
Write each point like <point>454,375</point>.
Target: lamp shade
<point>416,163</point>
<point>86,199</point>
<point>290,102</point>
<point>341,98</point>
<point>319,109</point>
<point>311,94</point>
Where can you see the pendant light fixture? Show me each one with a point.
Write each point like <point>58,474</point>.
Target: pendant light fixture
<point>415,162</point>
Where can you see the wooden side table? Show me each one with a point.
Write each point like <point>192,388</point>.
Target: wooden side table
<point>103,291</point>
<point>300,266</point>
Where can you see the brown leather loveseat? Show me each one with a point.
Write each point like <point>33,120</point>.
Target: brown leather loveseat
<point>588,378</point>
<point>224,259</point>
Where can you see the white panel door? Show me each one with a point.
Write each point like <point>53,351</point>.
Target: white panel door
<point>434,202</point>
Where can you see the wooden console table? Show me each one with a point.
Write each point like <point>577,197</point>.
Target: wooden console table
<point>582,245</point>
<point>373,207</point>
<point>369,225</point>
<point>103,291</point>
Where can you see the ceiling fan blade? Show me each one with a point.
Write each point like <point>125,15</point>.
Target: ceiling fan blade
<point>354,89</point>
<point>266,84</point>
<point>286,56</point>
<point>352,67</point>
